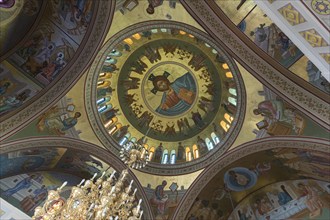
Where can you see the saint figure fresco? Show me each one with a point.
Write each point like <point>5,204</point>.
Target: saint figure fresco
<point>178,96</point>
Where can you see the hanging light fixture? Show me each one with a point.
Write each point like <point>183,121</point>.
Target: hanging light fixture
<point>102,199</point>
<point>134,155</point>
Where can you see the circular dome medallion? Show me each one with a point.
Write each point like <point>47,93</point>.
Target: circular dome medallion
<point>169,87</point>
<point>162,85</point>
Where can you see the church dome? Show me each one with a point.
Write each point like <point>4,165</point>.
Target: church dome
<point>169,87</point>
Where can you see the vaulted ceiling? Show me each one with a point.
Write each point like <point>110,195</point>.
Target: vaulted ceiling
<point>79,79</point>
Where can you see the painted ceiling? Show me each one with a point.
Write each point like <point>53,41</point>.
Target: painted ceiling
<point>109,73</point>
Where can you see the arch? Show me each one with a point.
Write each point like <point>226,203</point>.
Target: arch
<point>47,143</point>
<point>128,41</point>
<point>151,153</point>
<point>233,91</point>
<point>124,139</point>
<point>165,157</point>
<point>136,36</point>
<point>215,138</point>
<point>209,143</point>
<point>238,154</point>
<point>228,117</point>
<point>66,79</point>
<point>100,101</point>
<point>225,66</point>
<point>229,75</point>
<point>111,121</point>
<point>103,84</point>
<point>188,154</point>
<point>232,100</point>
<point>110,60</point>
<point>102,108</point>
<point>114,128</point>
<point>289,86</point>
<point>195,151</point>
<point>224,125</point>
<point>173,157</point>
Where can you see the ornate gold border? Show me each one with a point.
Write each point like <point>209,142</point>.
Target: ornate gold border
<point>109,143</point>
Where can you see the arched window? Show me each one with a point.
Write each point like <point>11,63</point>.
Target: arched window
<point>229,75</point>
<point>232,101</point>
<point>164,30</point>
<point>182,32</point>
<point>188,154</point>
<point>101,100</point>
<point>111,121</point>
<point>165,157</point>
<point>233,91</point>
<point>151,153</point>
<point>215,138</point>
<point>209,143</point>
<point>128,41</point>
<point>102,74</point>
<point>115,128</point>
<point>225,66</point>
<point>133,139</point>
<point>102,108</point>
<point>228,117</point>
<point>124,139</point>
<point>99,83</point>
<point>115,53</point>
<point>173,157</point>
<point>103,84</point>
<point>154,31</point>
<point>195,151</point>
<point>224,125</point>
<point>110,60</point>
<point>137,36</point>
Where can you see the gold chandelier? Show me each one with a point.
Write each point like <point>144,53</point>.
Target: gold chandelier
<point>134,155</point>
<point>102,199</point>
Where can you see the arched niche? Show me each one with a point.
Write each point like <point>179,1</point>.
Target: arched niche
<point>252,166</point>
<point>64,155</point>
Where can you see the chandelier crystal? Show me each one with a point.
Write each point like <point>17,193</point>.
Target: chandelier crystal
<point>134,155</point>
<point>102,199</point>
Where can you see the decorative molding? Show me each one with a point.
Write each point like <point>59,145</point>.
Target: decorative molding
<point>291,14</point>
<point>313,38</point>
<point>108,142</point>
<point>293,89</point>
<point>70,143</point>
<point>238,153</point>
<point>326,56</point>
<point>93,39</point>
<point>287,21</point>
<point>321,7</point>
